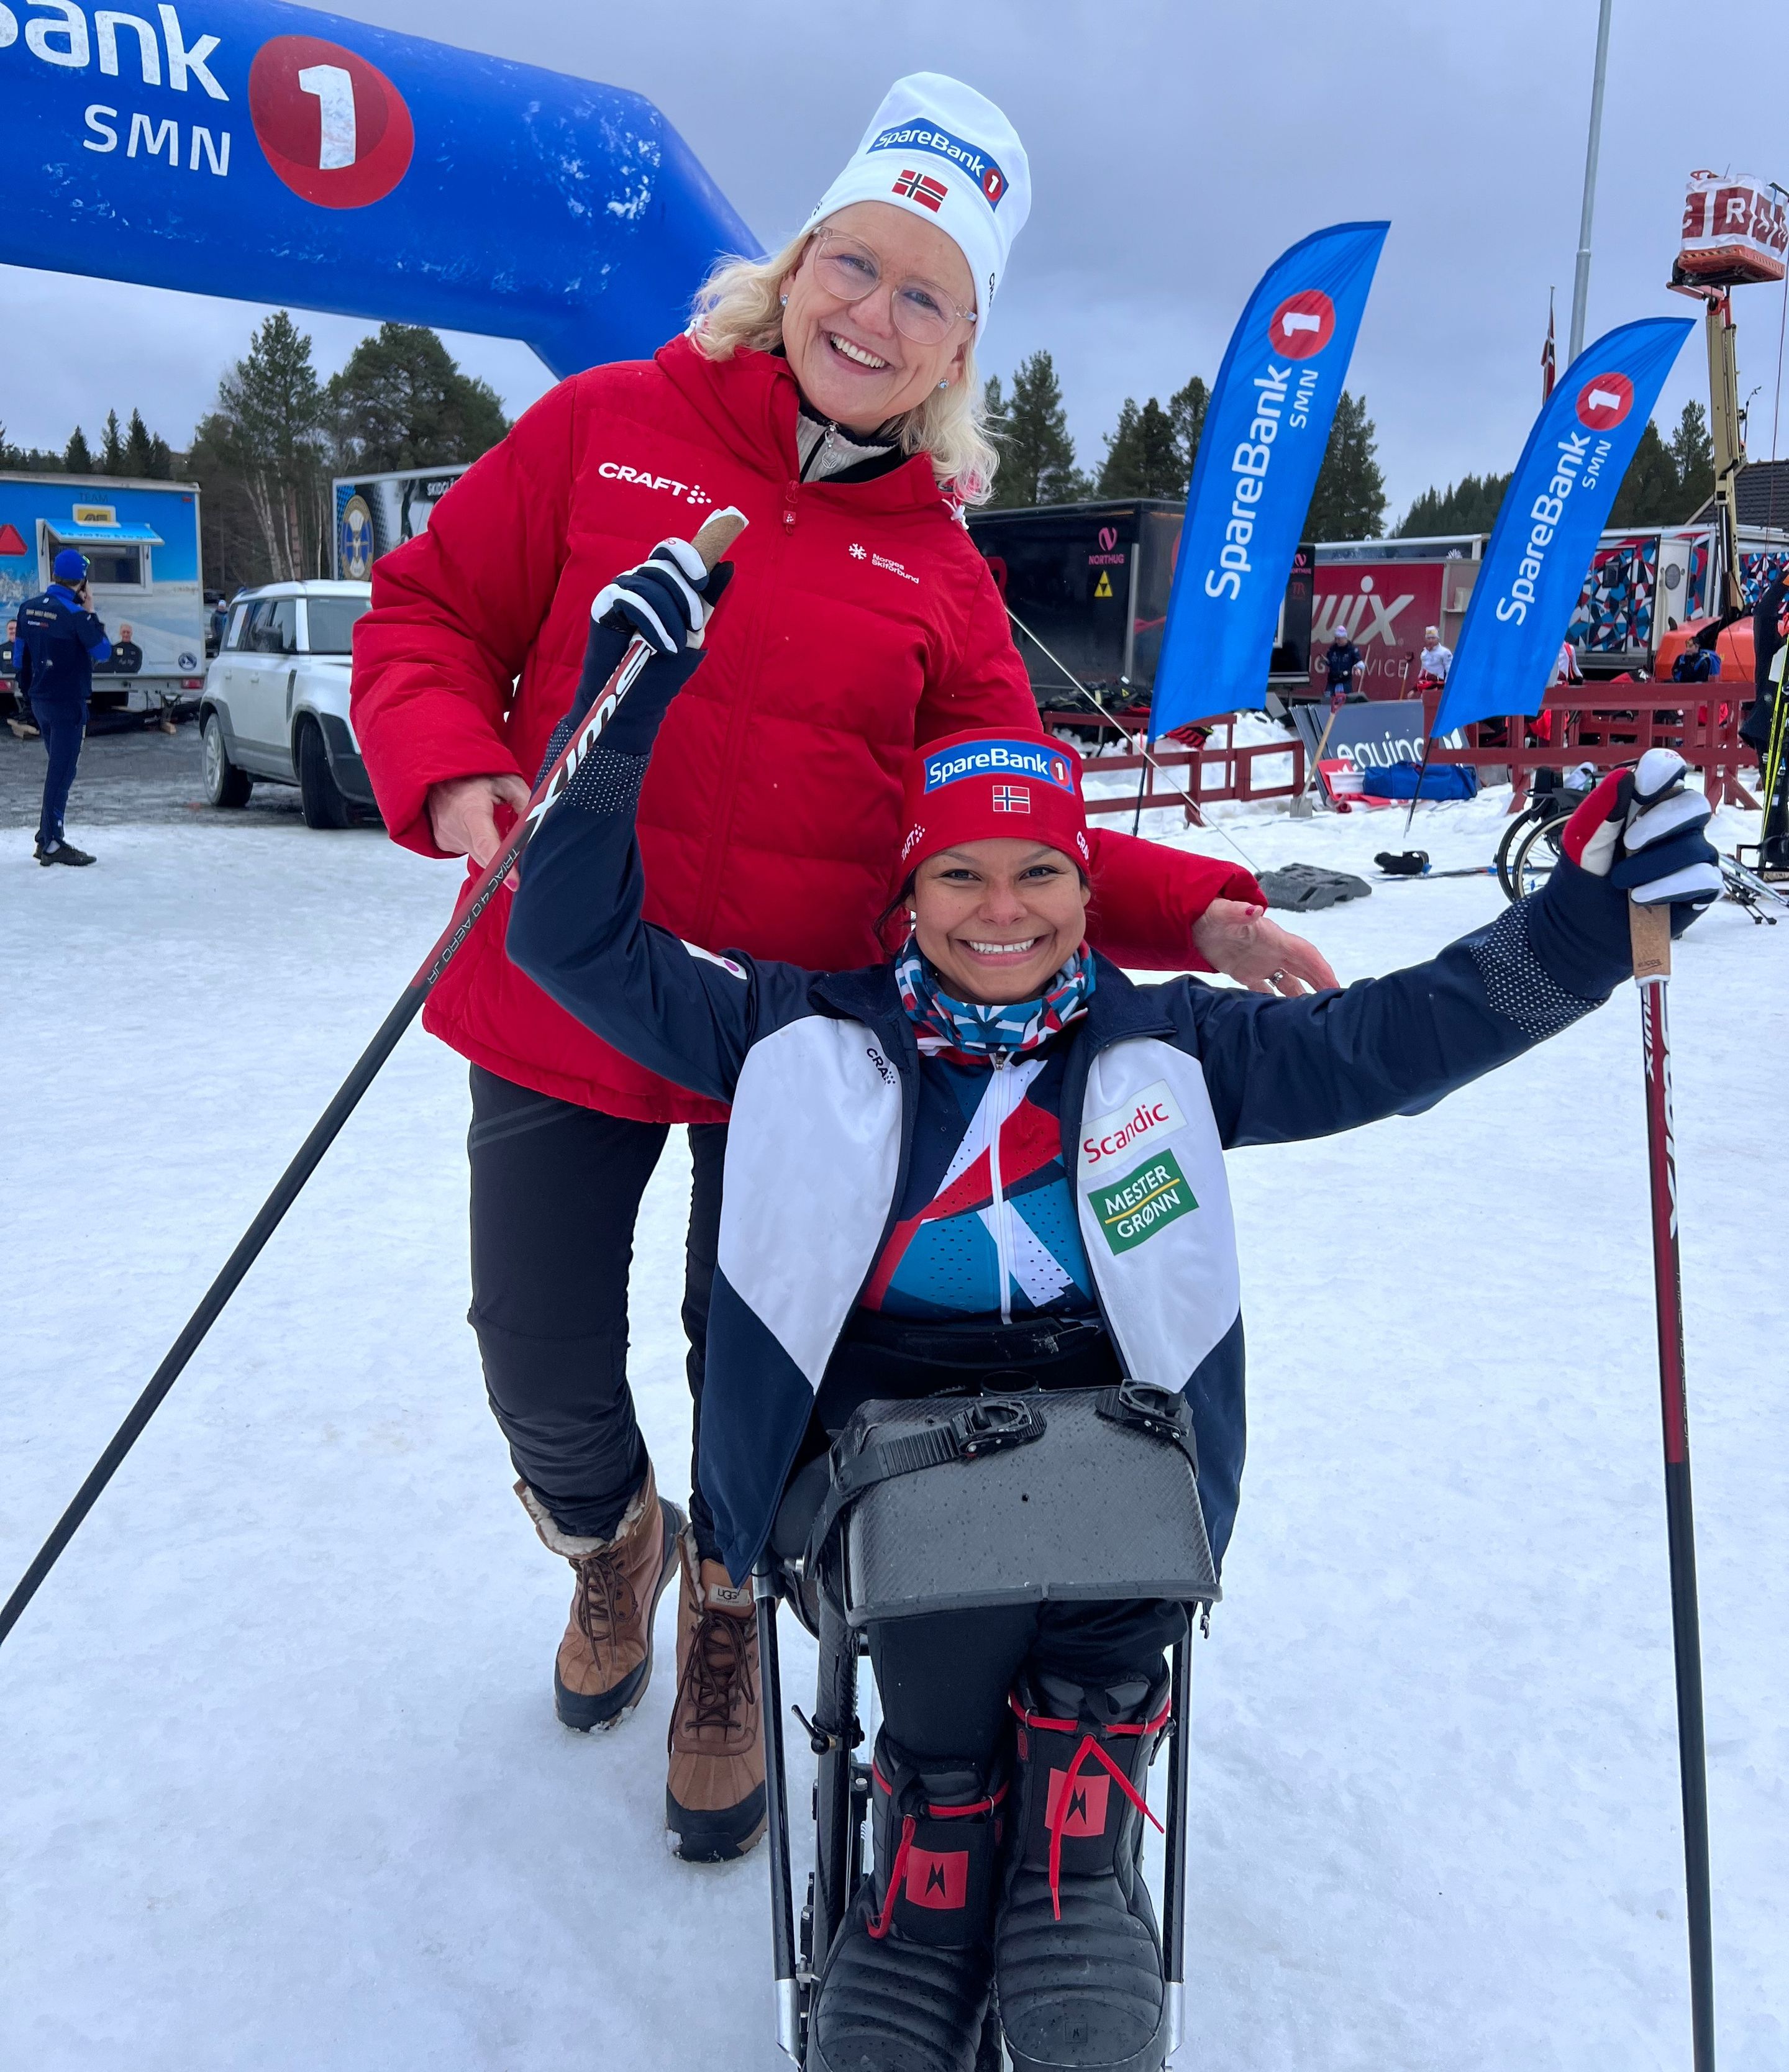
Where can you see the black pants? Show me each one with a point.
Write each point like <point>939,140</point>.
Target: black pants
<point>945,1679</point>
<point>556,1190</point>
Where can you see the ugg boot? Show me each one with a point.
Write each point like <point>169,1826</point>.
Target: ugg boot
<point>905,1986</point>
<point>714,1795</point>
<point>1078,1958</point>
<point>606,1657</point>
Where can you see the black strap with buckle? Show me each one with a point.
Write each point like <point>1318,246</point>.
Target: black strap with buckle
<point>990,1425</point>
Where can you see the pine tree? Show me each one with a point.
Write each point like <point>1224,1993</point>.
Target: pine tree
<point>1692,454</point>
<point>1651,493</point>
<point>112,446</point>
<point>1186,413</point>
<point>77,456</point>
<point>1349,501</point>
<point>402,401</point>
<point>1470,505</point>
<point>161,460</point>
<point>139,448</point>
<point>268,430</point>
<point>1030,430</point>
<point>1143,456</point>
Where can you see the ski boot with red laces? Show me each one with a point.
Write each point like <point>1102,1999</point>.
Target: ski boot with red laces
<point>905,1986</point>
<point>1078,1956</point>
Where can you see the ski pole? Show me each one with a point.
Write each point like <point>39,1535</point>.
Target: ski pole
<point>716,536</point>
<point>1650,928</point>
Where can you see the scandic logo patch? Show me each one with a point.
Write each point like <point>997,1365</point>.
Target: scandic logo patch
<point>1146,1200</point>
<point>1153,1114</point>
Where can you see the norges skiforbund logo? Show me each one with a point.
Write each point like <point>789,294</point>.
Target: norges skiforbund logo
<point>333,127</point>
<point>1302,325</point>
<point>1604,401</point>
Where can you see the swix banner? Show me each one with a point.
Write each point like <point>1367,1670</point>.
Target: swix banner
<point>1267,428</point>
<point>1552,519</point>
<point>281,155</point>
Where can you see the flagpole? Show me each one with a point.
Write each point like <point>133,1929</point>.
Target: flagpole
<point>1580,283</point>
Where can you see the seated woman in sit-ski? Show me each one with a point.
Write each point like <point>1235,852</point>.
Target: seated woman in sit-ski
<point>995,1150</point>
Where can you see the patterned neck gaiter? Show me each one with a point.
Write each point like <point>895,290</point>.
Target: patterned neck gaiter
<point>971,1033</point>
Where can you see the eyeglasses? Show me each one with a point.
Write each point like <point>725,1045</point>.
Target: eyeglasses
<point>920,310</point>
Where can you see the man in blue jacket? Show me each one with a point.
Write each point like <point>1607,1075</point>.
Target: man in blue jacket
<point>59,639</point>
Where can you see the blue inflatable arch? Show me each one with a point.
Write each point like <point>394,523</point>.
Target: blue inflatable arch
<point>276,155</point>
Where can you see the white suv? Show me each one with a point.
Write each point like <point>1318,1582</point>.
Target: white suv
<point>274,707</point>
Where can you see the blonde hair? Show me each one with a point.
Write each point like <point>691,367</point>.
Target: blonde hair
<point>740,304</point>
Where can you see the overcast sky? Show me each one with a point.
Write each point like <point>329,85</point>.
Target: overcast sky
<point>1175,149</point>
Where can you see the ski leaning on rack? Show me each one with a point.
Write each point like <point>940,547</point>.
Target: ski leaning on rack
<point>716,536</point>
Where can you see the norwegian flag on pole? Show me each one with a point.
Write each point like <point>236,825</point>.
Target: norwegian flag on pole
<point>922,188</point>
<point>1549,358</point>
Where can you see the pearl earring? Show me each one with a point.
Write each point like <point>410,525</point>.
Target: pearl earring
<point>785,301</point>
<point>943,384</point>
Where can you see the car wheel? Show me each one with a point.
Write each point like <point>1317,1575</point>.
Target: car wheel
<point>324,805</point>
<point>225,785</point>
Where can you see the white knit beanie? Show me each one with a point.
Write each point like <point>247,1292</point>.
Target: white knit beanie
<point>944,151</point>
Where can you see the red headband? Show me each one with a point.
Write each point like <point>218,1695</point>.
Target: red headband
<point>975,787</point>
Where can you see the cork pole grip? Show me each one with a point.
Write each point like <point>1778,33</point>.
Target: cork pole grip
<point>1649,931</point>
<point>717,533</point>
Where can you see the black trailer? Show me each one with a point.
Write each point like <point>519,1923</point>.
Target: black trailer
<point>1087,585</point>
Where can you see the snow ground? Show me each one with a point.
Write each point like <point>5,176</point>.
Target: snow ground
<point>283,1785</point>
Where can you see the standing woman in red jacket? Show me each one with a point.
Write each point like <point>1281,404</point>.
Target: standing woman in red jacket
<point>830,394</point>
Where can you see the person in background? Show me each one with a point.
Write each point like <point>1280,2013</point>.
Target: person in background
<point>1767,633</point>
<point>20,720</point>
<point>1435,661</point>
<point>1565,667</point>
<point>1696,664</point>
<point>59,639</point>
<point>1343,664</point>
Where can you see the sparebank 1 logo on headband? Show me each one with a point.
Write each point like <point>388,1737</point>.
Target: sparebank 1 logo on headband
<point>332,126</point>
<point>1034,759</point>
<point>1302,325</point>
<point>1604,401</point>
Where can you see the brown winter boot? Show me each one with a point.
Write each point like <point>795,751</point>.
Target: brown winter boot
<point>715,1797</point>
<point>606,1657</point>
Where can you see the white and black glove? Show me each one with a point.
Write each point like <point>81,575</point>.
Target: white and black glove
<point>1642,829</point>
<point>667,600</point>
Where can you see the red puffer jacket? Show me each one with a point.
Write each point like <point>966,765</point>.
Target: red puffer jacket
<point>861,620</point>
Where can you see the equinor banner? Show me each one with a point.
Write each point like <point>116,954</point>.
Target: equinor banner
<point>1550,519</point>
<point>1267,428</point>
<point>280,155</point>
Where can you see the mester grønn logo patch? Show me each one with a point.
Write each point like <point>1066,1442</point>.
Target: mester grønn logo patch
<point>333,127</point>
<point>1144,1201</point>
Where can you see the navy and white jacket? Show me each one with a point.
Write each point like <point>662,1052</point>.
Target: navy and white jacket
<point>823,1073</point>
<point>57,642</point>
